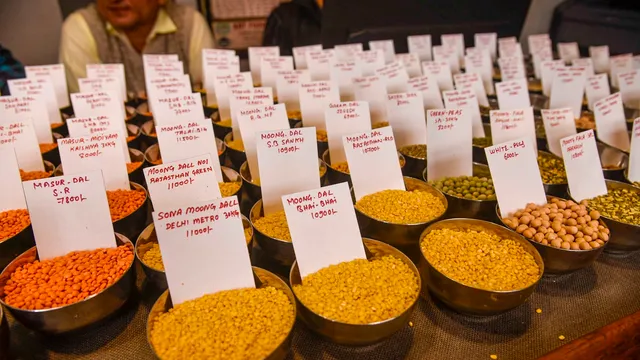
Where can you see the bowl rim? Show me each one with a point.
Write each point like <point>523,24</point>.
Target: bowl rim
<point>549,246</point>
<point>409,263</point>
<point>118,236</point>
<point>260,232</point>
<point>424,173</point>
<point>133,186</point>
<point>632,187</point>
<point>410,156</point>
<point>624,154</point>
<point>229,137</point>
<point>488,224</point>
<point>144,131</point>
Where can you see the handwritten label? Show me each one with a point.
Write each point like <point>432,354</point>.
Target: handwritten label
<point>345,118</point>
<point>288,84</point>
<point>40,88</point>
<point>214,66</point>
<point>629,84</point>
<point>183,182</point>
<point>453,41</point>
<point>255,57</point>
<point>567,89</point>
<point>619,64</point>
<point>507,125</point>
<point>611,123</point>
<point>634,153</point>
<point>482,65</point>
<point>387,48</point>
<point>474,82</point>
<point>487,41</point>
<point>203,248</point>
<point>373,90</point>
<point>449,153</point>
<point>324,229</point>
<point>178,109</point>
<point>510,49</point>
<point>241,98</point>
<point>370,61</point>
<point>77,201</point>
<point>543,52</point>
<point>86,126</point>
<point>21,137</point>
<point>167,86</point>
<point>100,104</point>
<point>27,108</point>
<point>428,87</point>
<point>514,167</point>
<point>548,71</point>
<point>441,72</point>
<point>447,55</point>
<point>12,194</point>
<point>584,62</point>
<point>95,71</point>
<point>421,46</point>
<point>299,55</point>
<point>314,97</point>
<point>269,68</point>
<point>465,99</point>
<point>597,88</point>
<point>600,57</point>
<point>319,62</point>
<point>582,163</point>
<point>513,94</point>
<point>568,51</point>
<point>538,42</point>
<point>406,116</point>
<point>558,124</point>
<point>184,141</point>
<point>347,52</point>
<point>58,78</point>
<point>511,68</point>
<point>367,152</point>
<point>108,84</point>
<point>223,84</point>
<point>161,70</point>
<point>343,73</point>
<point>411,63</point>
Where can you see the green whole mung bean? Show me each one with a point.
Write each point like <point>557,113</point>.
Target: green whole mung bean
<point>482,142</point>
<point>620,204</point>
<point>551,169</point>
<point>467,187</point>
<point>401,207</point>
<point>480,260</point>
<point>418,151</point>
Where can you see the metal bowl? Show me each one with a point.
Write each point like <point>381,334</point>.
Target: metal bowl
<point>16,245</point>
<point>65,113</point>
<point>414,166</point>
<point>279,251</point>
<point>219,130</point>
<point>630,115</point>
<point>559,190</point>
<point>561,261</point>
<point>614,162</point>
<point>74,316</point>
<point>485,111</point>
<point>534,85</point>
<point>237,157</point>
<point>538,102</point>
<point>133,224</point>
<point>335,176</point>
<point>357,334</point>
<point>4,336</point>
<point>295,118</point>
<point>148,136</point>
<point>142,113</point>
<point>164,304</point>
<point>134,130</point>
<point>53,155</point>
<point>479,155</point>
<point>624,237</point>
<point>466,299</point>
<point>404,237</point>
<point>467,208</point>
<point>158,277</point>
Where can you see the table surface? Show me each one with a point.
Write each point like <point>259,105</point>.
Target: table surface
<point>572,305</point>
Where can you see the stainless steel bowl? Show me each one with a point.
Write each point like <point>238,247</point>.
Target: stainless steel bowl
<point>624,237</point>
<point>357,334</point>
<point>614,162</point>
<point>414,166</point>
<point>143,113</point>
<point>134,130</point>
<point>53,155</point>
<point>236,156</point>
<point>137,175</point>
<point>467,208</point>
<point>219,130</point>
<point>335,176</point>
<point>479,155</point>
<point>133,224</point>
<point>164,304</point>
<point>158,277</point>
<point>466,299</point>
<point>561,261</point>
<point>148,136</point>
<point>559,190</point>
<point>538,102</point>
<point>74,316</point>
<point>404,237</point>
<point>279,251</point>
<point>4,336</point>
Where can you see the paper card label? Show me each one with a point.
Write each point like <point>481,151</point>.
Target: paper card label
<point>319,64</point>
<point>77,201</point>
<point>183,182</point>
<point>586,63</point>
<point>342,119</point>
<point>507,40</point>
<point>215,68</point>
<point>41,88</point>
<point>449,153</point>
<point>538,42</point>
<point>167,86</point>
<point>510,50</point>
<point>455,41</point>
<point>223,84</point>
<point>511,68</point>
<point>487,41</point>
<point>421,46</point>
<point>567,89</point>
<point>373,90</point>
<point>548,70</point>
<point>58,78</point>
<point>27,108</point>
<point>299,55</point>
<point>314,98</point>
<point>411,63</point>
<point>619,64</point>
<point>428,86</point>
<point>218,53</point>
<point>109,84</point>
<point>449,56</point>
<point>634,153</point>
<point>159,58</point>
<point>288,84</point>
<point>545,54</point>
<point>482,65</point>
<point>367,151</point>
<point>465,99</point>
<point>96,71</point>
<point>163,69</point>
<point>597,88</point>
<point>507,125</point>
<point>346,52</point>
<point>203,248</point>
<point>441,72</point>
<point>86,126</point>
<point>12,195</point>
<point>96,152</point>
<point>387,48</point>
<point>324,229</point>
<point>558,124</point>
<point>474,82</point>
<point>513,94</point>
<point>611,123</point>
<point>241,98</point>
<point>21,137</point>
<point>629,84</point>
<point>582,163</point>
<point>184,141</point>
<point>178,109</point>
<point>293,152</point>
<point>395,76</point>
<point>514,166</point>
<point>256,54</point>
<point>269,68</point>
<point>343,73</point>
<point>568,51</point>
<point>600,57</point>
<point>100,103</point>
<point>406,117</point>
<point>370,61</point>
<point>255,120</point>
<point>636,62</point>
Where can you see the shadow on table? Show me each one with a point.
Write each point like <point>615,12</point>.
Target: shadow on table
<point>629,260</point>
<point>578,283</point>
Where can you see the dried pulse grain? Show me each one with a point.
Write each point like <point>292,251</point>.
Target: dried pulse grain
<point>618,204</point>
<point>401,207</point>
<point>124,202</point>
<point>274,226</point>
<point>34,175</point>
<point>12,222</point>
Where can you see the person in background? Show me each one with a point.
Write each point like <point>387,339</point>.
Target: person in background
<point>10,68</point>
<point>295,23</point>
<point>120,31</point>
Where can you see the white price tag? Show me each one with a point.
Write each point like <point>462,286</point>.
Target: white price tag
<point>406,117</point>
<point>12,194</point>
<point>582,163</point>
<point>611,123</point>
<point>373,90</point>
<point>448,55</point>
<point>487,41</point>
<point>223,84</point>
<point>454,41</point>
<point>242,98</point>
<point>255,56</point>
<point>428,86</point>
<point>619,64</point>
<point>347,52</point>
<point>511,68</point>
<point>513,94</point>
<point>548,71</point>
<point>629,84</point>
<point>21,137</point>
<point>100,84</point>
<point>567,89</point>
<point>558,124</point>
<point>584,62</point>
<point>27,108</point>
<point>343,73</point>
<point>314,98</point>
<point>269,68</point>
<point>370,61</point>
<point>411,63</point>
<point>288,84</point>
<point>441,72</point>
<point>395,76</point>
<point>300,57</point>
<point>387,48</point>
<point>472,81</point>
<point>600,57</point>
<point>318,63</point>
<point>178,109</point>
<point>465,99</point>
<point>421,46</point>
<point>42,89</point>
<point>508,50</point>
<point>86,126</point>
<point>449,153</point>
<point>108,71</point>
<point>342,119</point>
<point>58,78</point>
<point>218,66</point>
<point>568,51</point>
<point>481,64</point>
<point>634,153</point>
<point>507,125</point>
<point>597,88</point>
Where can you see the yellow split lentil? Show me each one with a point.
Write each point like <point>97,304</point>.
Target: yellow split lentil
<point>480,260</point>
<point>360,291</point>
<point>229,188</point>
<point>228,325</point>
<point>235,144</point>
<point>294,114</point>
<point>274,225</point>
<point>321,135</point>
<point>379,124</point>
<point>401,207</point>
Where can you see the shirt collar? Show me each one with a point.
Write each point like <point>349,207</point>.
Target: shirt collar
<point>163,25</point>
